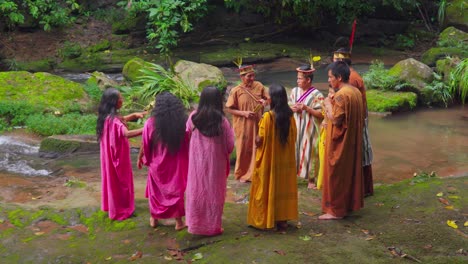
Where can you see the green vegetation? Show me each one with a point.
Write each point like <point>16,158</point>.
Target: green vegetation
<point>156,79</point>
<point>459,81</point>
<point>377,77</point>
<point>67,124</point>
<point>437,92</point>
<point>45,13</point>
<point>388,101</point>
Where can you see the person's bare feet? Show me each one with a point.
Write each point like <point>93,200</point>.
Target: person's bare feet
<point>312,186</point>
<point>153,222</point>
<point>329,217</point>
<point>180,224</point>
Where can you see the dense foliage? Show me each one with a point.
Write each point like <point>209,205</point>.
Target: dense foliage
<point>46,13</point>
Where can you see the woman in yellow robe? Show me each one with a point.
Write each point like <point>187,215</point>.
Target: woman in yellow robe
<point>273,193</point>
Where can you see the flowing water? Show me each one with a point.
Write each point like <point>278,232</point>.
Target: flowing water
<point>424,140</point>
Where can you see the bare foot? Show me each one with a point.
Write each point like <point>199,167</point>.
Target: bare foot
<point>312,186</point>
<point>153,222</point>
<point>329,217</point>
<point>179,227</point>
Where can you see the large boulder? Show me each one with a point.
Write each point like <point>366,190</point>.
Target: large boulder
<point>456,15</point>
<point>413,72</point>
<point>452,43</point>
<point>200,75</point>
<point>131,70</point>
<point>40,89</point>
<point>452,37</point>
<point>58,145</point>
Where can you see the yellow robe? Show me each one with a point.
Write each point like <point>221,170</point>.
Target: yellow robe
<point>273,193</point>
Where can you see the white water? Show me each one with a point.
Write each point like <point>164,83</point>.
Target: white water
<point>20,158</point>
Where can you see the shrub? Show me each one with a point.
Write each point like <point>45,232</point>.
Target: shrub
<point>377,77</point>
<point>15,113</point>
<point>49,124</point>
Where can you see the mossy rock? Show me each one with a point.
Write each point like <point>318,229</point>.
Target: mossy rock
<point>101,80</point>
<point>101,46</point>
<point>131,70</point>
<point>200,75</point>
<point>387,101</point>
<point>41,89</point>
<point>456,14</point>
<point>446,65</point>
<point>431,56</point>
<point>452,37</point>
<point>36,66</point>
<point>415,73</point>
<point>54,146</point>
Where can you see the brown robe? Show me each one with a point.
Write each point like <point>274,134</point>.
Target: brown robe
<point>356,81</point>
<point>343,189</point>
<point>245,129</point>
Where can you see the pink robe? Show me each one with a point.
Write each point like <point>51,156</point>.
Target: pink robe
<point>116,171</point>
<point>207,179</point>
<point>167,176</point>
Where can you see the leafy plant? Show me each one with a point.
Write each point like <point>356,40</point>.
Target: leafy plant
<point>71,124</point>
<point>405,42</point>
<point>156,79</point>
<point>15,113</point>
<point>439,90</point>
<point>458,84</point>
<point>166,18</point>
<point>377,77</point>
<point>422,177</point>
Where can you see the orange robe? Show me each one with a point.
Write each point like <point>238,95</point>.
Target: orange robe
<point>356,81</point>
<point>273,193</point>
<point>343,189</point>
<point>245,129</point>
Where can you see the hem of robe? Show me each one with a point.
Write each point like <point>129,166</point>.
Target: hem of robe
<point>368,181</point>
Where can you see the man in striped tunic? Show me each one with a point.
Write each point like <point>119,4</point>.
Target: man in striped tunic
<point>305,101</point>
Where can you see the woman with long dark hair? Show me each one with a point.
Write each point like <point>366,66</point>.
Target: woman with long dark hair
<point>212,140</point>
<point>165,151</point>
<point>273,193</point>
<point>117,195</point>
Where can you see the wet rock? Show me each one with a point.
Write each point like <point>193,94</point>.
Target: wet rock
<point>58,145</point>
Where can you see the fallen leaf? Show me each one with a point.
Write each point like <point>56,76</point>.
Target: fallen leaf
<point>244,233</point>
<point>454,197</point>
<point>369,238</point>
<point>108,258</point>
<point>135,256</point>
<point>173,252</point>
<point>466,223</point>
<point>126,241</point>
<point>39,233</point>
<point>429,246</point>
<point>36,198</point>
<point>444,201</point>
<point>449,207</point>
<point>299,225</point>
<point>197,256</point>
<point>440,194</point>
<point>305,238</point>
<point>318,234</point>
<point>379,204</point>
<point>365,231</point>
<point>452,224</point>
<point>257,235</point>
<point>167,258</point>
<point>280,252</point>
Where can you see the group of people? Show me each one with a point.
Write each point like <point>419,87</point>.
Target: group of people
<point>324,140</point>
<point>187,159</point>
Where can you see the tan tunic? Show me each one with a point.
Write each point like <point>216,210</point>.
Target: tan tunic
<point>245,129</point>
<point>343,189</point>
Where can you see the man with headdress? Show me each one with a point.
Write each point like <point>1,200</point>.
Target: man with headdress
<point>305,101</point>
<point>343,190</point>
<point>343,54</point>
<point>245,103</point>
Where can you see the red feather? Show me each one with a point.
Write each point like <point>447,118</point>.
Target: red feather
<point>351,38</point>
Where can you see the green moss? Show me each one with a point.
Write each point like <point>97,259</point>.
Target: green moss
<point>452,37</point>
<point>455,12</point>
<point>39,88</point>
<point>131,69</point>
<point>101,46</point>
<point>21,218</point>
<point>386,101</point>
<point>36,66</point>
<point>433,54</point>
<point>100,220</point>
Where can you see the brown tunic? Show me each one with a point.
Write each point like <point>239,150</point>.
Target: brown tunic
<point>245,129</point>
<point>343,189</point>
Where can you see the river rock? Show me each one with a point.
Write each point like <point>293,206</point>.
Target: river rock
<point>101,80</point>
<point>414,72</point>
<point>58,145</point>
<point>200,75</point>
<point>131,70</point>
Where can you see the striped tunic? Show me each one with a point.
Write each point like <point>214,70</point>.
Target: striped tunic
<point>307,134</point>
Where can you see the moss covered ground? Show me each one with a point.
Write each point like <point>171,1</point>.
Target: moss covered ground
<point>402,223</point>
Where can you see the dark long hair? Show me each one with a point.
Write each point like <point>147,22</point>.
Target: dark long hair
<point>209,116</point>
<point>107,107</point>
<point>339,69</point>
<point>279,105</point>
<point>169,126</point>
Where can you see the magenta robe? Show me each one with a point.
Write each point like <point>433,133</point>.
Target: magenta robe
<point>207,179</point>
<point>116,171</point>
<point>167,176</point>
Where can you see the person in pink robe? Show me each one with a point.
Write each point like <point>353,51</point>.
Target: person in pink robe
<point>212,140</point>
<point>165,151</point>
<point>117,195</point>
